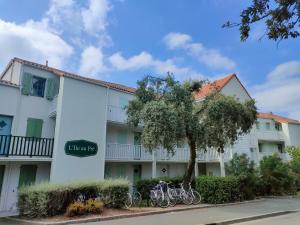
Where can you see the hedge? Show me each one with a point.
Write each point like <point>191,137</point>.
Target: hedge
<point>216,190</point>
<point>145,185</point>
<point>49,199</point>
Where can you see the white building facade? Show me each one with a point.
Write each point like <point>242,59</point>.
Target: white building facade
<point>48,117</point>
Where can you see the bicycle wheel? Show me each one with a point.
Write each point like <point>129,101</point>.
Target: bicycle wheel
<point>186,198</point>
<point>128,201</point>
<point>163,201</point>
<point>196,197</point>
<point>136,198</point>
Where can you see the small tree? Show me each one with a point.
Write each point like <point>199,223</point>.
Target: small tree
<point>275,173</point>
<point>241,166</point>
<point>282,18</point>
<point>168,113</point>
<point>294,152</point>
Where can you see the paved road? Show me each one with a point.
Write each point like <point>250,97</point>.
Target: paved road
<point>201,216</point>
<point>289,219</point>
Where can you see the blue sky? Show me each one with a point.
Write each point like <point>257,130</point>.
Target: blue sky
<point>122,40</point>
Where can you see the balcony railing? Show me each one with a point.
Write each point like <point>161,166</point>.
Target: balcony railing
<point>272,135</point>
<point>115,151</point>
<point>25,146</point>
<point>116,114</point>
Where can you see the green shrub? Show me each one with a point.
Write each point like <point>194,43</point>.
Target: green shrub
<point>242,167</point>
<point>145,185</point>
<point>276,175</point>
<point>216,190</point>
<point>48,199</point>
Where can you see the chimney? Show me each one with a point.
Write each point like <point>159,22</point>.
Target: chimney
<point>47,63</point>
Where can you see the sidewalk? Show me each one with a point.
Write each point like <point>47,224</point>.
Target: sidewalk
<point>203,215</point>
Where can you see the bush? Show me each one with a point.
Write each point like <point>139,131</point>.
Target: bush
<point>276,175</point>
<point>244,169</point>
<point>94,206</point>
<point>216,190</point>
<point>76,209</point>
<point>145,185</point>
<point>48,199</point>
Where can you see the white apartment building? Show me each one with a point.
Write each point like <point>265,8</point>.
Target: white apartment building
<point>56,126</point>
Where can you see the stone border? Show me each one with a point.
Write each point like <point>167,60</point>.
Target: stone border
<point>129,215</point>
<point>251,218</point>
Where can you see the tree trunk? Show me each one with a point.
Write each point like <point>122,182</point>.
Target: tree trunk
<point>191,164</point>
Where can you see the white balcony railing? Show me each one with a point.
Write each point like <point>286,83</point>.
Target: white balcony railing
<point>272,135</point>
<point>115,151</point>
<point>116,114</point>
<point>53,107</point>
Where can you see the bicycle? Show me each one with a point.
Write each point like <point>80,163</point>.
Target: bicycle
<point>133,198</point>
<point>190,196</point>
<point>158,197</point>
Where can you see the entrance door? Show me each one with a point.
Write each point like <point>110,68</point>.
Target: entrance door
<point>5,129</point>
<point>137,145</point>
<point>137,173</point>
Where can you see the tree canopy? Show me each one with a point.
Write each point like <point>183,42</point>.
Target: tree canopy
<point>281,17</point>
<point>169,114</point>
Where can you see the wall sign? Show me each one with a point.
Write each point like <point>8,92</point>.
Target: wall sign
<point>81,148</point>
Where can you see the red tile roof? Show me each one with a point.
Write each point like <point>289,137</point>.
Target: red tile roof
<point>216,85</point>
<point>277,118</point>
<point>59,72</point>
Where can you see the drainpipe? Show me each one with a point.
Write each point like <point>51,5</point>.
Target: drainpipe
<point>222,165</point>
<point>154,164</point>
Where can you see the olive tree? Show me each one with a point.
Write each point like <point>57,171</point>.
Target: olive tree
<point>169,114</point>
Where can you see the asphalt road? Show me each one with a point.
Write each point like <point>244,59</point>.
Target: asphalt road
<point>289,219</point>
<point>209,215</point>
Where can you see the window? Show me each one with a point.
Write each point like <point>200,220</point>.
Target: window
<point>257,125</point>
<point>34,127</point>
<point>38,86</point>
<point>260,147</point>
<point>252,149</point>
<point>268,126</point>
<point>280,148</point>
<point>2,170</point>
<point>278,126</point>
<point>122,137</point>
<point>27,175</point>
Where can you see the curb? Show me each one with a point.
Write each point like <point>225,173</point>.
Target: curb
<point>251,218</point>
<point>99,218</point>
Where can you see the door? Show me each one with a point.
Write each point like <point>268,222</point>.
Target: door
<point>137,173</point>
<point>5,129</point>
<point>27,175</point>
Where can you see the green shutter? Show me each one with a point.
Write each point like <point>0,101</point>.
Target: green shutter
<point>26,83</point>
<point>50,89</point>
<point>27,175</point>
<point>121,137</point>
<point>2,169</point>
<point>121,171</point>
<point>34,127</point>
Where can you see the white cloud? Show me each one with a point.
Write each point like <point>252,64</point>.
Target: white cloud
<point>211,57</point>
<point>91,62</point>
<point>281,91</point>
<point>146,60</point>
<point>95,16</point>
<point>32,41</point>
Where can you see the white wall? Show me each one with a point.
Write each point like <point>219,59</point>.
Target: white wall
<point>13,73</point>
<point>81,114</point>
<point>115,97</point>
<point>213,168</point>
<point>234,88</point>
<point>294,134</point>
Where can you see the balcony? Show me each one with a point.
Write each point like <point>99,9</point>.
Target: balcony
<point>19,146</point>
<point>53,108</point>
<point>272,135</point>
<point>116,114</point>
<point>128,152</point>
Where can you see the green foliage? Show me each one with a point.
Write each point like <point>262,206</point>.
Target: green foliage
<point>276,175</point>
<point>294,152</point>
<point>49,199</point>
<point>281,18</point>
<point>145,185</point>
<point>241,167</point>
<point>216,190</point>
<point>167,111</point>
